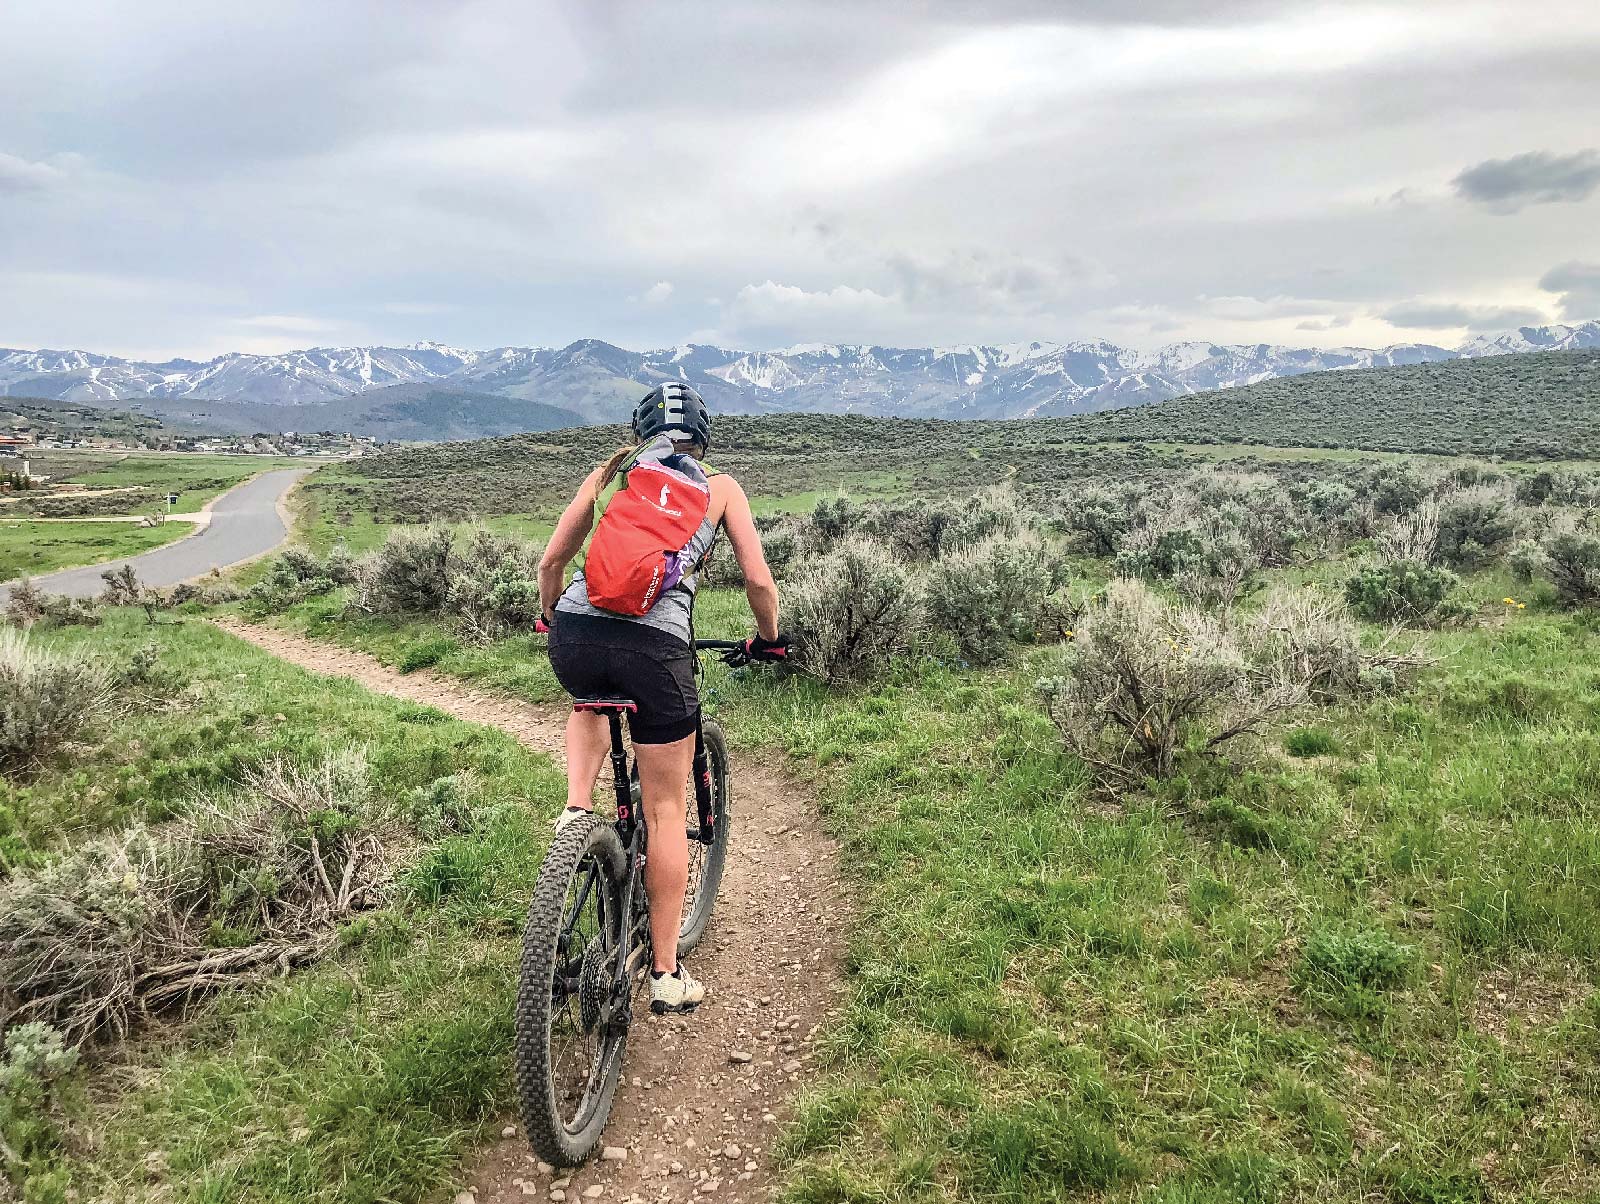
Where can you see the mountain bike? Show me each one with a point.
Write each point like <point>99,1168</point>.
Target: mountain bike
<point>586,949</point>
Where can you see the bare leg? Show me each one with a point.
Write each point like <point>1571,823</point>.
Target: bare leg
<point>588,744</point>
<point>663,780</point>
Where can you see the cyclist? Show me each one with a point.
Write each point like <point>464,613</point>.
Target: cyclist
<point>648,656</point>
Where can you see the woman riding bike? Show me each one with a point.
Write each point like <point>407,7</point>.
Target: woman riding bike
<point>647,655</point>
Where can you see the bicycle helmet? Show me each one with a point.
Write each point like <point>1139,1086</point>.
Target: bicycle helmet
<point>675,410</point>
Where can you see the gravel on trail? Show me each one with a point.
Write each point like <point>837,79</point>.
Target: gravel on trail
<point>702,1096</point>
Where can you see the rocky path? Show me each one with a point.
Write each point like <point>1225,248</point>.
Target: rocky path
<point>702,1096</point>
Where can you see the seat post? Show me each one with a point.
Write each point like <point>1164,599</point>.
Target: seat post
<point>619,776</point>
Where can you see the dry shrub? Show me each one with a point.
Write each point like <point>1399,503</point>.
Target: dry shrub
<point>1572,559</point>
<point>46,699</point>
<point>408,574</point>
<point>1144,678</point>
<point>1412,536</point>
<point>494,584</point>
<point>783,541</point>
<point>133,923</point>
<point>122,587</point>
<point>852,612</point>
<point>993,594</point>
<point>27,605</point>
<point>1476,525</point>
<point>993,512</point>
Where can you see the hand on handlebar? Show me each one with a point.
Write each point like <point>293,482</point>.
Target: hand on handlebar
<point>758,649</point>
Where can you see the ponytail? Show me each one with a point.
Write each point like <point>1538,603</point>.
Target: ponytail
<point>609,470</point>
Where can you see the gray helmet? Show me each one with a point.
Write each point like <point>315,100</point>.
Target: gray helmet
<point>675,410</point>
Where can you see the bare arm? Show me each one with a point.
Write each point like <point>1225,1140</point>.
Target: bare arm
<point>572,528</point>
<point>759,587</point>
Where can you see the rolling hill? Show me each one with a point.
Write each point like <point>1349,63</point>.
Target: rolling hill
<point>1535,405</point>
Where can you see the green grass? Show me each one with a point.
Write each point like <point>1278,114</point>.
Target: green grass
<point>33,548</point>
<point>364,1079</point>
<point>1353,964</point>
<point>196,478</point>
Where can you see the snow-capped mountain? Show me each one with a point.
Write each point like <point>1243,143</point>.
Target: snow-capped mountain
<point>593,378</point>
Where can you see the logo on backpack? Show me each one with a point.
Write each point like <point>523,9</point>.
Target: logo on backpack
<point>640,547</point>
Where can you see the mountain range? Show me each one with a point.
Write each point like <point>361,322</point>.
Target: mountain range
<point>431,391</point>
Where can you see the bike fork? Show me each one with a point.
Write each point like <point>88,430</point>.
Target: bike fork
<point>702,788</point>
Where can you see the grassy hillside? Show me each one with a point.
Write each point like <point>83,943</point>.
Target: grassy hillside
<point>1543,405</point>
<point>1344,951</point>
<point>1347,959</point>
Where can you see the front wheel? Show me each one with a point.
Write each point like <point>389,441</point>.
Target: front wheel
<point>706,860</point>
<point>570,1028</point>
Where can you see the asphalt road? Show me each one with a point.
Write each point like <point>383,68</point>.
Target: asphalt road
<point>244,523</point>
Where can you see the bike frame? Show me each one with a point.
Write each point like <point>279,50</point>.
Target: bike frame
<point>634,945</point>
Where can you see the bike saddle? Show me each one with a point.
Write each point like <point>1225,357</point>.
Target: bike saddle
<point>606,706</point>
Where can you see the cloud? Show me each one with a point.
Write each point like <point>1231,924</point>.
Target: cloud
<point>1535,178</point>
<point>658,293</point>
<point>417,309</point>
<point>26,175</point>
<point>287,324</point>
<point>944,171</point>
<point>785,312</point>
<point>1447,315</point>
<point>1579,286</point>
<point>1260,309</point>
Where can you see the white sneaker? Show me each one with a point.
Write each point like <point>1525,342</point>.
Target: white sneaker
<point>569,817</point>
<point>675,992</point>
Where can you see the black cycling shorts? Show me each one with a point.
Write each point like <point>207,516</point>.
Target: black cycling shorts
<point>595,657</point>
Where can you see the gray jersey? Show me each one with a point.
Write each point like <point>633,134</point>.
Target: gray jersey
<point>670,612</point>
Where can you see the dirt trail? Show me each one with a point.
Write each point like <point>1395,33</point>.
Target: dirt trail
<point>695,1117</point>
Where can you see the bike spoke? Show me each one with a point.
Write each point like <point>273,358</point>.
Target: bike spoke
<point>577,1034</point>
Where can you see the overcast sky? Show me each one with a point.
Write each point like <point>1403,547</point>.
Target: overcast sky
<point>188,179</point>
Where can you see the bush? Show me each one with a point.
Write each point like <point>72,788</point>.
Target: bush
<point>1396,489</point>
<point>1141,675</point>
<point>1573,561</point>
<point>918,532</point>
<point>28,605</point>
<point>782,542</point>
<point>290,578</point>
<point>494,584</point>
<point>852,612</point>
<point>1144,678</point>
<point>132,923</point>
<point>1402,591</point>
<point>1101,517</point>
<point>408,574</point>
<point>1413,536</point>
<point>122,587</point>
<point>1475,526</point>
<point>1525,560</point>
<point>996,511</point>
<point>992,594</point>
<point>46,699</point>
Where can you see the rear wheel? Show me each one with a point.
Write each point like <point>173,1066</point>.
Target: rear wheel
<point>570,1031</point>
<point>705,860</point>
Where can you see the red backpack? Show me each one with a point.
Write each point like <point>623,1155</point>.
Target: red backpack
<point>646,518</point>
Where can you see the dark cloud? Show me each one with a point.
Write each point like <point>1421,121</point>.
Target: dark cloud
<point>1579,286</point>
<point>1428,315</point>
<point>1534,178</point>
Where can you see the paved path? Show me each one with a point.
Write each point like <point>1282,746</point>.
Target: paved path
<point>244,523</point>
